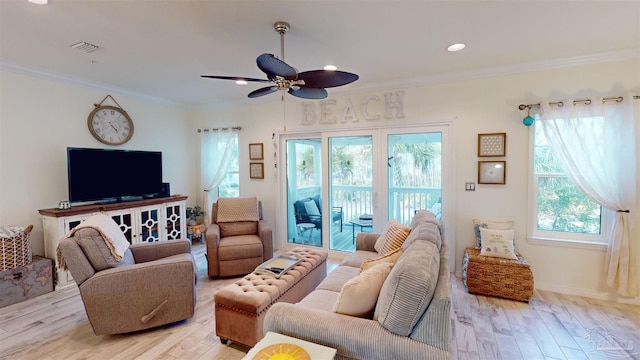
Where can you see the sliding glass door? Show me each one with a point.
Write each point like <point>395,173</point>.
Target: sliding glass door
<point>338,184</point>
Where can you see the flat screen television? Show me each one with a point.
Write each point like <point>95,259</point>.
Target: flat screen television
<point>113,175</point>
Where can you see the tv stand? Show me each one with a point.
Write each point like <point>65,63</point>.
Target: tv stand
<point>150,220</point>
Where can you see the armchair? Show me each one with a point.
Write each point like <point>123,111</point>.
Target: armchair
<point>237,247</point>
<point>153,285</point>
<point>305,212</point>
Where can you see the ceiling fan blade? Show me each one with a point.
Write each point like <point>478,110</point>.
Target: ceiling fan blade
<point>236,78</point>
<point>272,66</point>
<point>309,93</point>
<point>263,91</point>
<point>326,78</point>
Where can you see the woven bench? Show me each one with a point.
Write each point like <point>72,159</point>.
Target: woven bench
<point>486,275</point>
<point>240,307</point>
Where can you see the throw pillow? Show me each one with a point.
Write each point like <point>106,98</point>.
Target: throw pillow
<point>237,209</point>
<point>359,295</point>
<point>392,237</point>
<point>498,243</point>
<point>409,288</point>
<point>391,257</point>
<point>489,224</point>
<point>312,208</point>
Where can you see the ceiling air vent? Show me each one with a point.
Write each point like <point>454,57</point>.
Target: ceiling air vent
<point>84,46</point>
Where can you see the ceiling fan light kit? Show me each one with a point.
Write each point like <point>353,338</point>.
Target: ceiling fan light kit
<point>307,84</point>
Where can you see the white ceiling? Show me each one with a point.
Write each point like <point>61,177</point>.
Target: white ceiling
<point>159,49</point>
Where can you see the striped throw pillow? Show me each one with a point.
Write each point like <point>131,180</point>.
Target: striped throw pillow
<point>392,237</point>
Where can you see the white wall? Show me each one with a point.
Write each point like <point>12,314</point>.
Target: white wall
<point>478,106</point>
<point>41,117</point>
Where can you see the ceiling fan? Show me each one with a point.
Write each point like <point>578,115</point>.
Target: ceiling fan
<point>306,84</point>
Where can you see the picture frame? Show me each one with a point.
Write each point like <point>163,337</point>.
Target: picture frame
<point>494,144</point>
<point>492,172</point>
<point>256,170</point>
<point>256,151</point>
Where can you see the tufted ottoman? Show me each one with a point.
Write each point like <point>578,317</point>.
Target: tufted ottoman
<point>241,306</point>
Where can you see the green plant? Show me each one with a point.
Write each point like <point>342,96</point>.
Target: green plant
<point>194,212</point>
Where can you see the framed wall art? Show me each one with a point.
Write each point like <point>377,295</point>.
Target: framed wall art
<point>256,170</point>
<point>256,151</point>
<point>492,172</point>
<point>492,144</point>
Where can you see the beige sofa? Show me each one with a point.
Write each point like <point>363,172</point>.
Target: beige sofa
<point>409,324</point>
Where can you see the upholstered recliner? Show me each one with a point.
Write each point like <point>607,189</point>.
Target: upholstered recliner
<point>153,284</point>
<point>238,239</point>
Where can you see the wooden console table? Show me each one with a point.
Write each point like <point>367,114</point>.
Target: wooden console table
<point>150,220</point>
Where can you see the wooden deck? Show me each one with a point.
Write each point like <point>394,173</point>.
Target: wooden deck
<point>342,240</point>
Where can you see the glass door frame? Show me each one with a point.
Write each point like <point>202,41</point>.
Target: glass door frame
<point>379,140</point>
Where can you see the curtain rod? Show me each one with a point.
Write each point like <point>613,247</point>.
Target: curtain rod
<point>221,129</point>
<point>579,101</point>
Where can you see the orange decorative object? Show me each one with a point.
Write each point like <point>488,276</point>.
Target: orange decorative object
<point>282,352</point>
<point>196,231</point>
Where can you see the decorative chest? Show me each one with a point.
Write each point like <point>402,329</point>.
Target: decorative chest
<point>510,279</point>
<point>26,282</point>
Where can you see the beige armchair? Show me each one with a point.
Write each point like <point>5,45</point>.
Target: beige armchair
<point>237,247</point>
<point>153,285</point>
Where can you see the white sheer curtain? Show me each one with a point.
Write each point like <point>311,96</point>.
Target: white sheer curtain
<point>595,144</point>
<point>216,153</point>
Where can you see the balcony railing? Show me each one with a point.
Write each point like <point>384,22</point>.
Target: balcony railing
<point>358,200</point>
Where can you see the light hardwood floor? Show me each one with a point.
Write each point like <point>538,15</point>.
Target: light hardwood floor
<point>551,326</point>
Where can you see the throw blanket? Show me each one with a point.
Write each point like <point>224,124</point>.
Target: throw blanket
<point>237,209</point>
<point>110,231</point>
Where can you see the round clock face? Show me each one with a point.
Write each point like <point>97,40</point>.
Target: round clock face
<point>110,125</point>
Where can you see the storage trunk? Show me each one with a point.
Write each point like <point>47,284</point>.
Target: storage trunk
<point>26,282</point>
<point>509,279</point>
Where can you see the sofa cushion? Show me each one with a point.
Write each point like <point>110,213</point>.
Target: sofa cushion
<point>489,224</point>
<point>238,228</point>
<point>409,288</point>
<point>391,257</point>
<point>338,278</point>
<point>498,243</point>
<point>391,237</point>
<point>312,208</point>
<point>356,258</point>
<point>359,295</point>
<point>424,231</point>
<point>423,216</point>
<point>320,299</point>
<point>240,247</point>
<point>95,249</point>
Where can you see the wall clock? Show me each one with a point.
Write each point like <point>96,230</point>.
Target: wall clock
<point>110,125</point>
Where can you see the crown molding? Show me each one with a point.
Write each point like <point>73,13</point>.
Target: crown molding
<point>66,78</point>
<point>606,57</point>
<point>622,55</point>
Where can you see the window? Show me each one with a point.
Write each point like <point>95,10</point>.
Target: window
<point>230,185</point>
<point>560,211</point>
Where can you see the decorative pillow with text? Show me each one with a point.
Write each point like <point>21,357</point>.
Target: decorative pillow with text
<point>489,224</point>
<point>498,243</point>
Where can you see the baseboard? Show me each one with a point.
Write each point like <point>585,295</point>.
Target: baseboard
<point>599,295</point>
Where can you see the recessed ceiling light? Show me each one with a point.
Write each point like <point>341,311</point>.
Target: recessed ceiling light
<point>39,2</point>
<point>330,67</point>
<point>456,47</point>
<point>241,82</point>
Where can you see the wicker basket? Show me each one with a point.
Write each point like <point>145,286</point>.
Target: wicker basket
<point>510,279</point>
<point>15,247</point>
